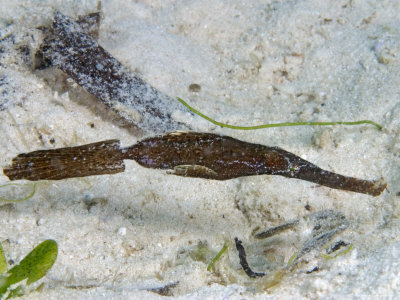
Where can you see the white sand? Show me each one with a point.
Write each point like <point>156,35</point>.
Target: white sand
<point>257,62</point>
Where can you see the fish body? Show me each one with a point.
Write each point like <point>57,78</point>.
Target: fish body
<point>212,156</point>
<point>189,154</point>
<point>220,157</point>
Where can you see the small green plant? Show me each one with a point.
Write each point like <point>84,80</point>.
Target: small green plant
<point>32,268</point>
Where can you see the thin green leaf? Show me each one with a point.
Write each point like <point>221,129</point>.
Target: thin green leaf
<point>36,264</point>
<point>217,257</point>
<point>3,262</point>
<point>17,292</point>
<point>3,285</point>
<point>192,109</point>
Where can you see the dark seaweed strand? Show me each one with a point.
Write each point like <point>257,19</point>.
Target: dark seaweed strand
<point>75,52</point>
<point>243,260</point>
<point>165,290</point>
<point>277,229</point>
<point>336,246</point>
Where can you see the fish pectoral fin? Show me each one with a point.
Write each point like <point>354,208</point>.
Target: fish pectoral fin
<point>194,171</point>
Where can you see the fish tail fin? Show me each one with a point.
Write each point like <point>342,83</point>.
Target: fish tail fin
<point>92,159</point>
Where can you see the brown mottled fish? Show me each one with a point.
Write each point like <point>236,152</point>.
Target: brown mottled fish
<point>189,154</point>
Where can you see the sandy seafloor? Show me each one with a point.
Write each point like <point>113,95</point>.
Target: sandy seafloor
<point>256,62</point>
